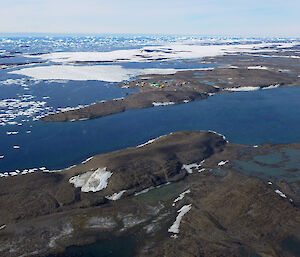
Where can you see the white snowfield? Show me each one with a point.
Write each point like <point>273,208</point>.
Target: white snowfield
<point>92,181</point>
<point>109,73</point>
<point>168,52</point>
<point>116,73</point>
<point>175,227</point>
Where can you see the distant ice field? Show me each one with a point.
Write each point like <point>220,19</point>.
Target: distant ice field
<point>76,71</point>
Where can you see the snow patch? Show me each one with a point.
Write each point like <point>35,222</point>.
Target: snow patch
<point>280,193</point>
<point>116,196</point>
<point>189,167</point>
<point>221,163</point>
<point>236,89</point>
<point>87,160</point>
<point>92,181</point>
<point>181,196</point>
<point>271,86</point>
<point>175,227</point>
<point>259,67</point>
<point>162,103</point>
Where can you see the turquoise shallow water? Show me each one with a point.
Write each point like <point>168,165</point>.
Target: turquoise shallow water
<point>245,117</point>
<point>283,165</point>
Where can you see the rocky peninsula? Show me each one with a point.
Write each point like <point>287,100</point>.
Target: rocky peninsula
<point>239,72</point>
<point>187,193</point>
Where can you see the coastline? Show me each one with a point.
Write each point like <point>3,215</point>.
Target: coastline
<point>192,85</point>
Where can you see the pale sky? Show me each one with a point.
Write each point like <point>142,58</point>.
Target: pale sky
<point>209,17</point>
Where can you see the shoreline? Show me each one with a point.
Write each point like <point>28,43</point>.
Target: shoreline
<point>192,85</point>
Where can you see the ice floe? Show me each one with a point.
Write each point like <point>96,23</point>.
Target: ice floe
<point>280,193</point>
<point>92,181</point>
<point>12,109</point>
<point>175,227</point>
<point>116,196</point>
<point>12,132</point>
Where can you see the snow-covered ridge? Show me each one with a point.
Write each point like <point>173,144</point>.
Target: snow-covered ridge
<point>92,181</point>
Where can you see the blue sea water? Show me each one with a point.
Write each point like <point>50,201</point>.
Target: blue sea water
<point>245,117</point>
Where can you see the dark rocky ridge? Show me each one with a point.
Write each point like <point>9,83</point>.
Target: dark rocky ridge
<point>232,214</point>
<point>134,169</point>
